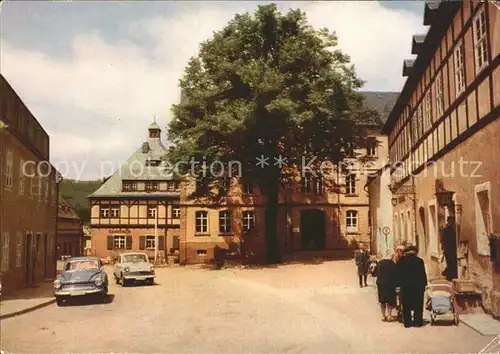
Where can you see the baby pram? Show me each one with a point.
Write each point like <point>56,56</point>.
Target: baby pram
<point>441,300</point>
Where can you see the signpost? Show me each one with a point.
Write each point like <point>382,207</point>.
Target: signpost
<point>386,231</point>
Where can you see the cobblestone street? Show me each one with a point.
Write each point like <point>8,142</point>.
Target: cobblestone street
<point>288,309</point>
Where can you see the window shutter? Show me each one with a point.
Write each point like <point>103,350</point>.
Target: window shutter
<point>142,242</point>
<point>110,242</point>
<point>128,242</point>
<point>161,243</point>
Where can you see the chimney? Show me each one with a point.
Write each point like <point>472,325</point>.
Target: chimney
<point>145,147</point>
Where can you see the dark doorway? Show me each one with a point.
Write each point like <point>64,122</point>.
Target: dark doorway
<point>45,248</point>
<point>28,260</point>
<point>422,243</point>
<point>312,229</point>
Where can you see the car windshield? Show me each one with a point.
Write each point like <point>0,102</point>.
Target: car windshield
<point>81,265</point>
<point>135,258</point>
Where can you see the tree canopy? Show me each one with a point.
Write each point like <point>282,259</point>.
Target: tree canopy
<point>268,85</point>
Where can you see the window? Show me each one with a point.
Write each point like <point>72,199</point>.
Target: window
<point>173,186</point>
<point>5,252</point>
<point>119,241</point>
<point>225,222</point>
<point>150,242</point>
<point>371,146</point>
<point>19,249</point>
<point>50,247</point>
<point>46,194</point>
<point>115,212</point>
<point>104,212</point>
<point>350,184</point>
<point>151,212</point>
<point>438,88</point>
<point>201,221</point>
<point>484,218</point>
<point>427,111</point>
<point>176,212</point>
<point>35,186</point>
<point>129,186</point>
<point>40,189</point>
<point>21,177</point>
<point>248,188</point>
<point>248,220</point>
<point>459,68</point>
<point>9,169</point>
<point>151,186</point>
<point>352,220</point>
<point>349,150</point>
<point>53,196</point>
<point>480,44</point>
<point>312,184</point>
<point>433,238</point>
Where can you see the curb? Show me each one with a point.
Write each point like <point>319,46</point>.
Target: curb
<point>27,310</point>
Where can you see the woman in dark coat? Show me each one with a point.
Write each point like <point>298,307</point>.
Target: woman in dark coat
<point>386,286</point>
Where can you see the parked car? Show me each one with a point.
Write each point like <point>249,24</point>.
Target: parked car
<point>81,276</point>
<point>133,266</point>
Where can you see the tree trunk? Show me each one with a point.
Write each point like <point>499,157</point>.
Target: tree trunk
<point>272,244</point>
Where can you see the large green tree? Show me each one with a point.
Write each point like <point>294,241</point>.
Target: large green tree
<point>268,84</point>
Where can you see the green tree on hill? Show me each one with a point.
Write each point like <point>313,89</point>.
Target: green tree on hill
<point>267,84</point>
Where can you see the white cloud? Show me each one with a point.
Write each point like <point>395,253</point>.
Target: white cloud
<point>126,84</point>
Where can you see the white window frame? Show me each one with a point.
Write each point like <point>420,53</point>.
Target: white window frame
<point>114,212</point>
<point>149,242</point>
<point>427,111</point>
<point>480,29</point>
<point>104,212</point>
<point>201,220</point>
<point>350,184</point>
<point>439,89</point>
<point>21,177</point>
<point>152,212</point>
<point>247,188</point>
<point>482,240</point>
<point>176,212</point>
<point>459,65</point>
<point>171,186</point>
<point>248,217</point>
<point>225,222</point>
<point>40,189</point>
<point>53,194</point>
<point>46,195</point>
<point>371,150</point>
<point>5,252</point>
<point>9,169</point>
<point>351,220</point>
<point>19,249</point>
<point>119,242</point>
<point>152,186</point>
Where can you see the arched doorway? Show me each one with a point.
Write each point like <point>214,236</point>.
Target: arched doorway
<point>312,229</point>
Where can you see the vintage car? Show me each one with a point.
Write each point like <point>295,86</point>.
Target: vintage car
<point>132,266</point>
<point>81,276</point>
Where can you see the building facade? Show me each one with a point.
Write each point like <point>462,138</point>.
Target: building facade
<point>28,196</point>
<point>137,208</point>
<point>313,218</point>
<point>443,140</point>
<point>70,240</point>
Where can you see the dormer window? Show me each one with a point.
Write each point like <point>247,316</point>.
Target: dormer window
<point>129,186</point>
<point>152,186</point>
<point>145,148</point>
<point>151,162</point>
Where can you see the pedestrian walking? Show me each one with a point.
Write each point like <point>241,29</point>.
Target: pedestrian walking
<point>399,254</point>
<point>449,246</point>
<point>362,259</point>
<point>412,280</point>
<point>386,286</point>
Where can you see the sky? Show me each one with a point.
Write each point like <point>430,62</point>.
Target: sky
<point>95,74</point>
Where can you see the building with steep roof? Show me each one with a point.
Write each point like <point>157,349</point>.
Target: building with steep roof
<point>69,231</point>
<point>444,138</point>
<point>137,207</point>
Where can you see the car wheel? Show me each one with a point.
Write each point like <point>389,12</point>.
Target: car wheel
<point>150,282</point>
<point>123,281</point>
<point>117,280</point>
<point>59,301</point>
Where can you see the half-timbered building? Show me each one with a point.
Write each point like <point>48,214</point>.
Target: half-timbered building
<point>444,139</point>
<point>137,207</point>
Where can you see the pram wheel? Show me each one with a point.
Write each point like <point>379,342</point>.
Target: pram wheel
<point>456,319</point>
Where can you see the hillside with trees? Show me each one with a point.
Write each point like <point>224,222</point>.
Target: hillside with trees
<point>76,192</point>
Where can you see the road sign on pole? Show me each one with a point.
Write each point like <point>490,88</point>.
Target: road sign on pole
<point>386,230</point>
